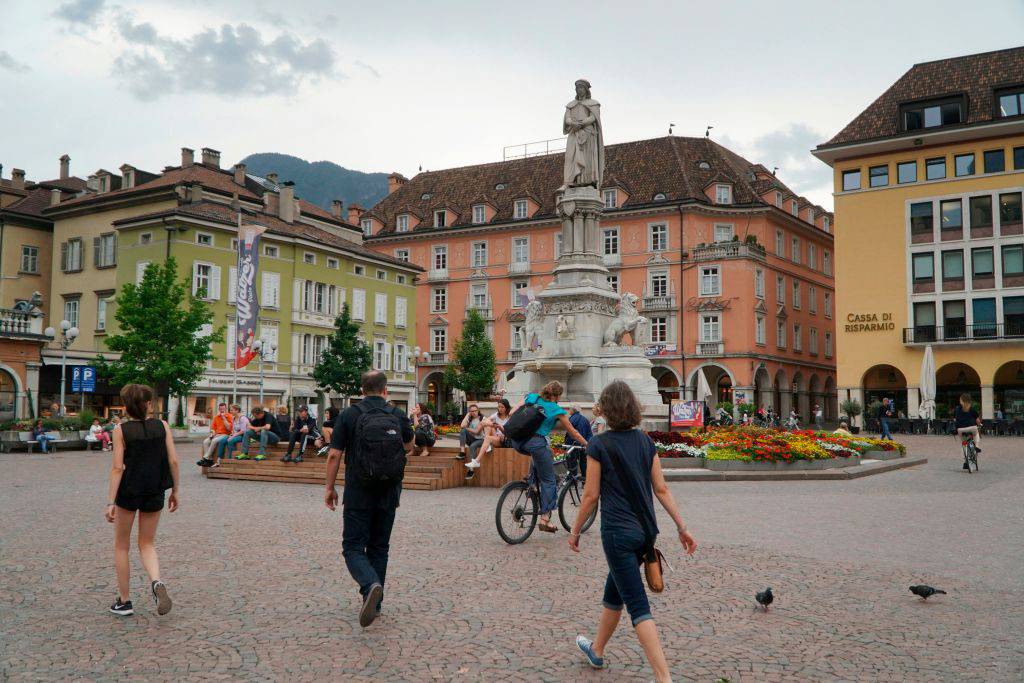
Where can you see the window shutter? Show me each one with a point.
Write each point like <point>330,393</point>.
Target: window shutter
<point>64,257</point>
<point>232,284</point>
<point>140,271</point>
<point>297,295</point>
<point>215,283</point>
<point>195,278</point>
<point>341,299</point>
<point>387,356</point>
<point>230,336</point>
<point>265,297</point>
<point>97,257</point>
<point>296,345</point>
<point>332,299</point>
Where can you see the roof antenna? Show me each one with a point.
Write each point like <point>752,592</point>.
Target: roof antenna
<point>775,170</point>
<point>421,168</point>
<point>670,127</point>
<point>707,133</point>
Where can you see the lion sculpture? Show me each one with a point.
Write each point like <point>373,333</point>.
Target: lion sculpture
<point>627,321</point>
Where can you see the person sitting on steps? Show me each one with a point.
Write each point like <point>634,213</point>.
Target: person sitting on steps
<point>303,430</point>
<point>494,437</point>
<point>472,430</point>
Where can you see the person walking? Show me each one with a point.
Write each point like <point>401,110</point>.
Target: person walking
<point>423,427</point>
<point>625,476</point>
<point>145,465</point>
<point>819,417</point>
<point>375,440</point>
<point>303,431</point>
<point>884,413</point>
<point>261,429</point>
<point>582,425</point>
<point>220,431</point>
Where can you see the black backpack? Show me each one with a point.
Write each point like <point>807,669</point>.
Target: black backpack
<point>524,422</point>
<point>377,453</point>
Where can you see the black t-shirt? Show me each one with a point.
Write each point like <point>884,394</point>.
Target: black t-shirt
<point>359,496</point>
<point>267,419</point>
<point>636,453</point>
<point>965,418</point>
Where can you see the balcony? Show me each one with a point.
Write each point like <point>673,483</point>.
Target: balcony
<point>659,302</point>
<point>713,348</point>
<point>481,306</point>
<point>436,358</point>
<point>612,260</point>
<point>965,334</point>
<point>515,355</point>
<point>313,319</point>
<point>518,267</point>
<point>437,274</point>
<point>23,324</point>
<point>727,250</point>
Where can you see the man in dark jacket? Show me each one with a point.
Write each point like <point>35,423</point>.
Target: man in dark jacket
<point>304,430</point>
<point>885,413</point>
<point>582,425</point>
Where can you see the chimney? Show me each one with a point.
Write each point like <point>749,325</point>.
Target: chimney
<point>395,181</point>
<point>127,176</point>
<point>54,197</point>
<point>240,174</point>
<point>272,177</point>
<point>211,157</point>
<point>286,202</point>
<point>196,193</point>
<point>65,167</point>
<point>336,209</point>
<point>188,157</point>
<point>354,213</point>
<point>17,179</point>
<point>235,204</point>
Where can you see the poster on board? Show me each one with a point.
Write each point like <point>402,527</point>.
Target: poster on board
<point>686,414</point>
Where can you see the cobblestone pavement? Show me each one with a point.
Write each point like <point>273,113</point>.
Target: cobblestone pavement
<point>261,593</point>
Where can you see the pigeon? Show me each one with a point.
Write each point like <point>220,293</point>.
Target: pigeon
<point>764,598</point>
<point>925,592</point>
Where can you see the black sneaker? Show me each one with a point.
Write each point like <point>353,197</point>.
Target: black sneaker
<point>470,474</point>
<point>966,466</point>
<point>371,604</point>
<point>461,456</point>
<point>204,462</point>
<point>123,609</point>
<point>160,597</point>
<point>287,458</point>
<point>298,458</point>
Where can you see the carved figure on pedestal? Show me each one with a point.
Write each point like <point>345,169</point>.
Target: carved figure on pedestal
<point>533,327</point>
<point>564,328</point>
<point>584,147</point>
<point>627,321</point>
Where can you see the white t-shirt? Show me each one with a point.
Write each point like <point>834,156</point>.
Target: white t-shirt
<point>498,420</point>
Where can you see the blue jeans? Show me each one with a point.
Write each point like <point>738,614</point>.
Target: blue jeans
<point>624,585</point>
<point>365,542</point>
<point>544,464</point>
<point>226,447</point>
<point>264,437</point>
<point>886,434</point>
<point>44,444</point>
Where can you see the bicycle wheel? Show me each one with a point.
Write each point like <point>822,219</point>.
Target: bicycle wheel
<point>516,514</point>
<point>569,499</point>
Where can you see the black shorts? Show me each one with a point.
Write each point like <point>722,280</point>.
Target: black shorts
<point>153,503</point>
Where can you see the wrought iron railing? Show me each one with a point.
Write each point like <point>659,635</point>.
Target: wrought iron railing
<point>960,334</point>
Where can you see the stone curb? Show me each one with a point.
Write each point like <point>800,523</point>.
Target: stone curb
<point>865,469</point>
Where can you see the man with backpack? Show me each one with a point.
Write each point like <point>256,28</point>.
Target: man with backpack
<point>375,439</point>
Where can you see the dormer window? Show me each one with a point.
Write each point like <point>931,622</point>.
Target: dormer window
<point>1010,101</point>
<point>440,218</point>
<point>794,207</point>
<point>611,198</point>
<point>659,197</point>
<point>367,225</point>
<point>402,223</point>
<point>479,213</point>
<point>723,194</point>
<point>932,114</point>
<point>521,209</point>
<point>810,215</point>
<point>825,224</point>
<point>426,195</point>
<point>499,186</point>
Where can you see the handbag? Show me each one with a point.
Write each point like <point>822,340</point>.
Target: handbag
<point>651,558</point>
<point>524,422</point>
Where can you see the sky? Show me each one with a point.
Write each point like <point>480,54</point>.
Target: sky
<point>394,85</point>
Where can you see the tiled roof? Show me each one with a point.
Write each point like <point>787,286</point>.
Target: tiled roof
<point>973,75</point>
<point>38,197</point>
<point>643,168</point>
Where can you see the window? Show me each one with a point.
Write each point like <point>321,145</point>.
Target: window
<point>780,290</point>
<point>1018,158</point>
<point>319,298</point>
<point>710,282</point>
<point>923,267</point>
<point>797,302</point>
<point>826,224</point>
<point>333,263</point>
<point>479,213</point>
<point>206,277</point>
<point>309,258</point>
<point>438,340</point>
<point>401,311</point>
<point>441,258</point>
<point>1013,315</point>
<point>798,338</point>
<point>778,199</point>
<point>780,333</point>
<point>440,218</point>
<point>382,275</point>
<point>794,208</point>
<point>613,283</point>
<point>812,341</point>
<point>1013,259</point>
<point>147,238</point>
<point>952,214</point>
<point>359,304</point>
<point>659,196</point>
<point>759,283</point>
<point>367,225</point>
<point>659,284</point>
<point>995,161</point>
<point>984,317</point>
<point>932,114</point>
<point>723,194</point>
<point>234,244</point>
<point>878,176</point>
<point>380,308</point>
<point>795,249</point>
<point>402,223</point>
<point>723,233</point>
<point>401,358</point>
<point>611,241</point>
<point>359,270</point>
<point>659,237</point>
<point>402,255</point>
<point>935,169</point>
<point>439,300</point>
<point>659,329</point>
<point>963,165</point>
<point>1010,209</point>
<point>270,296</point>
<point>924,321</point>
<point>71,256</point>
<point>71,309</point>
<point>982,262</point>
<point>399,279</point>
<point>981,211</point>
<point>104,251</point>
<point>851,180</point>
<point>519,293</point>
<point>557,248</point>
<point>810,214</point>
<point>759,330</point>
<point>828,304</point>
<point>812,256</point>
<point>954,319</point>
<point>270,250</point>
<point>922,219</point>
<point>101,313</point>
<point>29,259</point>
<point>710,328</point>
<point>953,265</point>
<point>611,198</point>
<point>906,172</point>
<point>826,262</point>
<point>1011,101</point>
<point>479,251</point>
<point>828,345</point>
<point>478,296</point>
<point>379,354</point>
<point>780,244</point>
<point>812,299</point>
<point>521,209</point>
<point>520,250</point>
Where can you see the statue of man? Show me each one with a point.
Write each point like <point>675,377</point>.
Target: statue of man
<point>584,150</point>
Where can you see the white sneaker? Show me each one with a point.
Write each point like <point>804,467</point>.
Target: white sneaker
<point>473,464</point>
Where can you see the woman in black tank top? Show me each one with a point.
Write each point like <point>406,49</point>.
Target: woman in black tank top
<point>145,465</point>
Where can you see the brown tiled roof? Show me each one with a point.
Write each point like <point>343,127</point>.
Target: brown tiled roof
<point>642,168</point>
<point>976,76</point>
<point>38,197</point>
<point>71,184</point>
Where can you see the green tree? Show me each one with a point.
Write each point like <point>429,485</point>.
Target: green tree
<point>347,357</point>
<point>473,366</point>
<point>159,336</point>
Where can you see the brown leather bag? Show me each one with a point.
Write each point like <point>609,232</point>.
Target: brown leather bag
<point>654,568</point>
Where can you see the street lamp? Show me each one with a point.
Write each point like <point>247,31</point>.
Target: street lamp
<point>264,351</point>
<point>68,334</point>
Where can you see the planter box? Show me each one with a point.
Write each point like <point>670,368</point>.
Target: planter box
<point>882,455</point>
<point>682,463</point>
<point>744,466</point>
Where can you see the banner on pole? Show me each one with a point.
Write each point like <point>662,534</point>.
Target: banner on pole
<point>247,306</point>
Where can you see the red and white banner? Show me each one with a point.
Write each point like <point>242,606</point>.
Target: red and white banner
<point>247,307</point>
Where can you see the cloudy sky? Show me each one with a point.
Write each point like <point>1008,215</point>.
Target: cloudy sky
<point>393,85</point>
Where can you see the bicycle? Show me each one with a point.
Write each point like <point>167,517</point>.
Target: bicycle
<point>519,503</point>
<point>970,452</point>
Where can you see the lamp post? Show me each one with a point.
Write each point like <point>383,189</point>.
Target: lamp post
<point>68,334</point>
<point>418,356</point>
<point>263,350</point>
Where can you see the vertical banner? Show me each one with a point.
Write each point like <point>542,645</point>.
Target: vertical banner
<point>247,307</point>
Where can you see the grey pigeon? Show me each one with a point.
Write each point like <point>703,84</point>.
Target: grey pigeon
<point>924,592</point>
<point>764,598</point>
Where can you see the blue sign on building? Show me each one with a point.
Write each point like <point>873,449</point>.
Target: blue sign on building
<point>83,379</point>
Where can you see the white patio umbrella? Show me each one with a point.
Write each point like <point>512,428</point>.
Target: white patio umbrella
<point>927,384</point>
<point>703,388</point>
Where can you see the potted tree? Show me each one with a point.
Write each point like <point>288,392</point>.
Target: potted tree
<point>852,408</point>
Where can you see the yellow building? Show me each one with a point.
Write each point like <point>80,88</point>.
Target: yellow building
<point>929,236</point>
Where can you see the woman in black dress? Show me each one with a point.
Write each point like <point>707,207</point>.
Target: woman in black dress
<point>145,466</point>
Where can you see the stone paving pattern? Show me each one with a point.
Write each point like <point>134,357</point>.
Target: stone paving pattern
<point>261,592</point>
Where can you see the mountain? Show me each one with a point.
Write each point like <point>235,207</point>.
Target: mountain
<point>320,182</point>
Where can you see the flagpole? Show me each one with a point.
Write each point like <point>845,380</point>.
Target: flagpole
<point>234,365</point>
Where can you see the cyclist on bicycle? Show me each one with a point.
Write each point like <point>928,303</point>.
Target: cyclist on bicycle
<point>967,422</point>
<point>538,447</point>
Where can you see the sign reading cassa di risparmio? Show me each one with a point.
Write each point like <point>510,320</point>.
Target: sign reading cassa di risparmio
<point>869,322</point>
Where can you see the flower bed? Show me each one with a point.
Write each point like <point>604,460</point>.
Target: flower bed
<point>753,444</point>
<point>447,430</point>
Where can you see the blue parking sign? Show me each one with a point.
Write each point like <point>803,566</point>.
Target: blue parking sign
<point>83,379</point>
<point>76,379</point>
